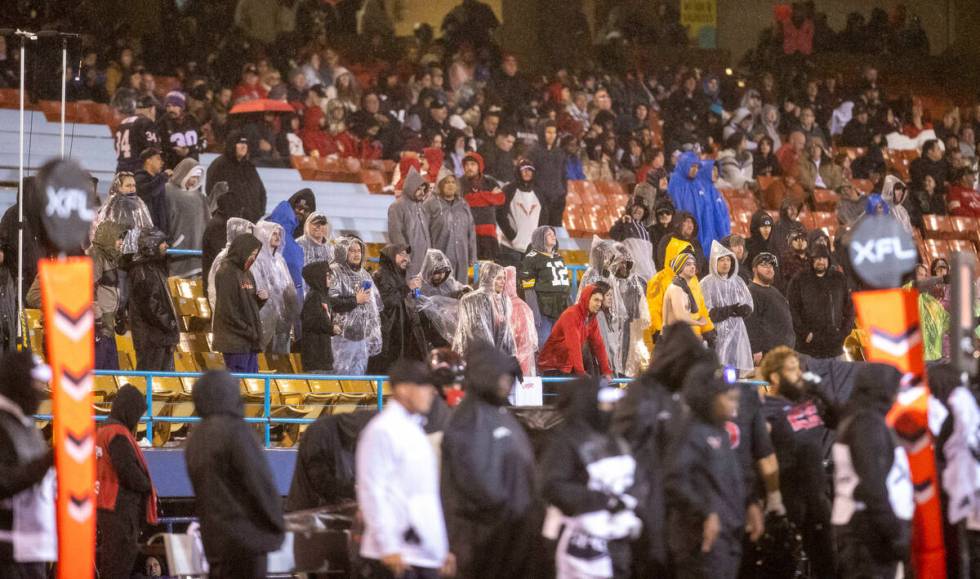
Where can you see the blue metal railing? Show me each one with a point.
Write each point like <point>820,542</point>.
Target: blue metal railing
<point>267,420</point>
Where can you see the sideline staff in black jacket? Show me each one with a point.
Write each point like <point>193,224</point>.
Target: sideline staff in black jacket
<point>237,501</point>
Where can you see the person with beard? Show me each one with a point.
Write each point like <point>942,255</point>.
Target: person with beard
<point>788,224</point>
<point>706,498</point>
<point>484,314</point>
<point>324,473</point>
<point>188,214</point>
<point>794,260</point>
<point>729,303</point>
<point>820,302</point>
<point>400,325</point>
<point>180,133</point>
<point>771,322</point>
<point>575,345</point>
<point>151,311</point>
<point>800,415</point>
<point>663,213</point>
<point>649,418</point>
<point>317,320</point>
<point>236,323</point>
<point>356,303</point>
<point>240,177</point>
<point>126,497</point>
<point>398,484</point>
<point>237,501</point>
<point>518,217</point>
<point>543,281</point>
<point>873,493</point>
<point>483,197</point>
<point>27,487</point>
<point>683,227</point>
<point>760,238</point>
<point>408,223</point>
<point>590,475</point>
<point>488,477</point>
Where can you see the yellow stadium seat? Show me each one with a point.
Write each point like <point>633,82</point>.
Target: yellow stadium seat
<point>193,342</point>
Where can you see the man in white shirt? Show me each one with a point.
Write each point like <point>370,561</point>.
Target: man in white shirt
<point>398,485</point>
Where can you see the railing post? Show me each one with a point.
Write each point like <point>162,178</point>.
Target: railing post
<point>381,394</point>
<point>149,408</point>
<point>267,403</point>
<point>574,275</point>
<point>476,273</point>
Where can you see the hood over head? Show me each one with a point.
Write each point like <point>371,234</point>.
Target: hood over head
<point>341,248</point>
<point>888,190</point>
<point>579,402</point>
<point>677,355</point>
<point>17,374</point>
<point>702,385</point>
<point>106,235</point>
<point>586,294</point>
<point>488,272</point>
<point>434,262</point>
<point>237,226</point>
<point>760,219</point>
<point>678,221</point>
<point>785,207</point>
<point>241,249</point>
<point>676,247</point>
<point>537,239</point>
<point>217,392</point>
<point>875,387</point>
<point>510,282</point>
<point>233,138</point>
<point>717,252</point>
<point>874,201</point>
<point>684,164</point>
<point>328,232</point>
<point>637,202</point>
<point>148,245</point>
<point>484,367</point>
<point>304,194</point>
<point>128,406</point>
<point>474,156</point>
<point>263,232</point>
<point>184,171</point>
<point>315,276</point>
<point>388,253</point>
<point>413,183</point>
<point>813,235</point>
<point>665,205</point>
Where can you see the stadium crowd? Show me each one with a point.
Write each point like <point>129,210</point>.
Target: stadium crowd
<point>687,472</point>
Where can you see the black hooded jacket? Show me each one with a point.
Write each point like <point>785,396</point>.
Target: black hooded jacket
<point>236,325</point>
<point>317,320</point>
<point>244,184</point>
<point>151,189</point>
<point>134,483</point>
<point>704,475</point>
<point>401,328</point>
<point>216,233</point>
<point>651,416</point>
<point>757,244</point>
<point>236,497</point>
<point>821,305</point>
<point>782,229</point>
<point>865,438</point>
<point>24,455</point>
<point>488,476</point>
<point>151,312</point>
<point>658,231</point>
<point>324,473</point>
<point>625,229</point>
<point>675,231</point>
<point>550,182</point>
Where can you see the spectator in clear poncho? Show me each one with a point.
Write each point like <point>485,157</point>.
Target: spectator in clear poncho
<point>271,274</point>
<point>522,324</point>
<point>357,306</point>
<point>729,303</point>
<point>625,315</point>
<point>316,239</point>
<point>484,314</point>
<point>235,227</point>
<point>439,299</point>
<point>124,207</point>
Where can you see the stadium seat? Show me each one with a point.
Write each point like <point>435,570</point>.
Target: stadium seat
<point>937,227</point>
<point>962,245</point>
<point>936,248</point>
<point>278,363</point>
<point>825,200</point>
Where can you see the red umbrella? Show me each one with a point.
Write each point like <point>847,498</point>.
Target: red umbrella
<point>261,106</point>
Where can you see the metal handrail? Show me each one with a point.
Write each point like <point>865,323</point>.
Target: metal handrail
<point>267,419</point>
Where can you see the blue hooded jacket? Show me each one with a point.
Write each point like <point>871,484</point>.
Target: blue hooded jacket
<point>874,201</point>
<point>701,198</point>
<point>291,251</point>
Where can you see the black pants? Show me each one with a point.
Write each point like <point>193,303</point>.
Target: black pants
<point>722,562</point>
<point>117,545</point>
<point>159,359</point>
<point>507,256</point>
<point>14,570</point>
<point>244,567</point>
<point>373,569</point>
<point>855,558</point>
<point>552,212</point>
<point>486,248</point>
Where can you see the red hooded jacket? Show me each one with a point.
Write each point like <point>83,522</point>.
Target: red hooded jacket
<point>563,350</point>
<point>314,137</point>
<point>479,194</point>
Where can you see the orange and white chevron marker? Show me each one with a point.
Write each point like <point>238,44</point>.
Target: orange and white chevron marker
<point>891,319</point>
<point>66,291</point>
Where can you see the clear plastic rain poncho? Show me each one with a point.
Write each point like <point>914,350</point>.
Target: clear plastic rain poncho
<point>314,250</point>
<point>360,328</point>
<point>440,303</point>
<point>484,315</point>
<point>627,316</point>
<point>732,345</point>
<point>127,210</point>
<point>522,325</point>
<point>235,227</point>
<point>281,310</point>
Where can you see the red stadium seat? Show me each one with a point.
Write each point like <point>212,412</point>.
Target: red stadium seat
<point>937,227</point>
<point>825,199</point>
